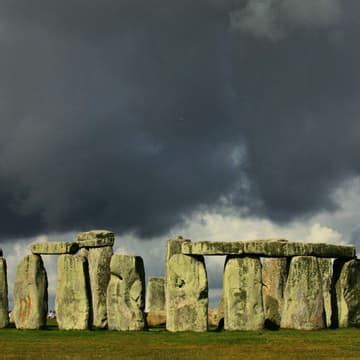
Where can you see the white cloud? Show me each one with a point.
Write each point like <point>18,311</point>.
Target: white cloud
<point>273,19</point>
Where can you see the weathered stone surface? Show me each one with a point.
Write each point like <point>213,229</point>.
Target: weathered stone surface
<point>72,302</point>
<point>268,248</point>
<point>54,248</point>
<point>243,305</point>
<point>173,247</point>
<point>156,294</point>
<point>274,275</point>
<point>348,295</point>
<point>326,272</point>
<point>126,293</point>
<point>95,238</point>
<point>186,294</point>
<point>156,318</point>
<point>213,317</point>
<point>30,294</point>
<point>303,298</point>
<point>99,270</point>
<point>4,308</point>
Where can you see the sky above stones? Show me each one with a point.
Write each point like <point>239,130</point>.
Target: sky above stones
<point>211,118</point>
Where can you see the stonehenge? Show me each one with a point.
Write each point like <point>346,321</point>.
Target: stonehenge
<point>347,290</point>
<point>271,283</point>
<point>243,303</point>
<point>303,307</point>
<point>126,293</point>
<point>54,248</point>
<point>30,294</point>
<point>72,302</point>
<point>156,294</point>
<point>326,272</point>
<point>187,294</point>
<point>4,314</point>
<point>274,277</point>
<point>155,299</point>
<point>97,245</point>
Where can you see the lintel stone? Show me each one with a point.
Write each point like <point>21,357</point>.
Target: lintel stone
<point>54,248</point>
<point>268,248</point>
<point>95,238</point>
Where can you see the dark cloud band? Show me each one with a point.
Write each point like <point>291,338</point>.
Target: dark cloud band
<point>131,114</point>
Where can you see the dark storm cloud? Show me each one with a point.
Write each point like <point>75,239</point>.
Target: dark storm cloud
<point>132,114</point>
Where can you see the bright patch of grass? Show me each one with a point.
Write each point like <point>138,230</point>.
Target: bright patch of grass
<point>159,344</point>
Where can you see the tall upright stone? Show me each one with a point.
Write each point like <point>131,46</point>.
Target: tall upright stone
<point>173,247</point>
<point>126,293</point>
<point>326,272</point>
<point>156,294</point>
<point>73,299</point>
<point>243,305</point>
<point>99,269</point>
<point>30,294</point>
<point>303,298</point>
<point>348,294</point>
<point>155,302</point>
<point>274,275</point>
<point>96,245</point>
<point>4,308</point>
<point>186,294</point>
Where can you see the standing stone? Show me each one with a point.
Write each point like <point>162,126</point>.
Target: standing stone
<point>303,299</point>
<point>156,294</point>
<point>30,294</point>
<point>348,295</point>
<point>4,309</point>
<point>72,303</point>
<point>99,270</point>
<point>186,294</point>
<point>326,272</point>
<point>126,293</point>
<point>155,300</point>
<point>243,305</point>
<point>274,275</point>
<point>173,247</point>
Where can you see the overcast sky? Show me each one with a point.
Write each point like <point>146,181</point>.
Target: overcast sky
<point>216,119</point>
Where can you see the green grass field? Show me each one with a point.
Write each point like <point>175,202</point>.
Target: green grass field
<point>159,344</point>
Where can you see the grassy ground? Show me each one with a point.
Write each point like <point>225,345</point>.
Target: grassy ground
<point>159,344</point>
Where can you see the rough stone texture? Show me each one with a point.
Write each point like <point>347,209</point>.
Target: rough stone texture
<point>268,248</point>
<point>99,270</point>
<point>274,275</point>
<point>126,293</point>
<point>156,294</point>
<point>243,305</point>
<point>186,294</point>
<point>156,318</point>
<point>303,298</point>
<point>30,294</point>
<point>326,272</point>
<point>96,238</point>
<point>213,317</point>
<point>96,243</point>
<point>4,309</point>
<point>72,303</point>
<point>54,248</point>
<point>173,247</point>
<point>348,295</point>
